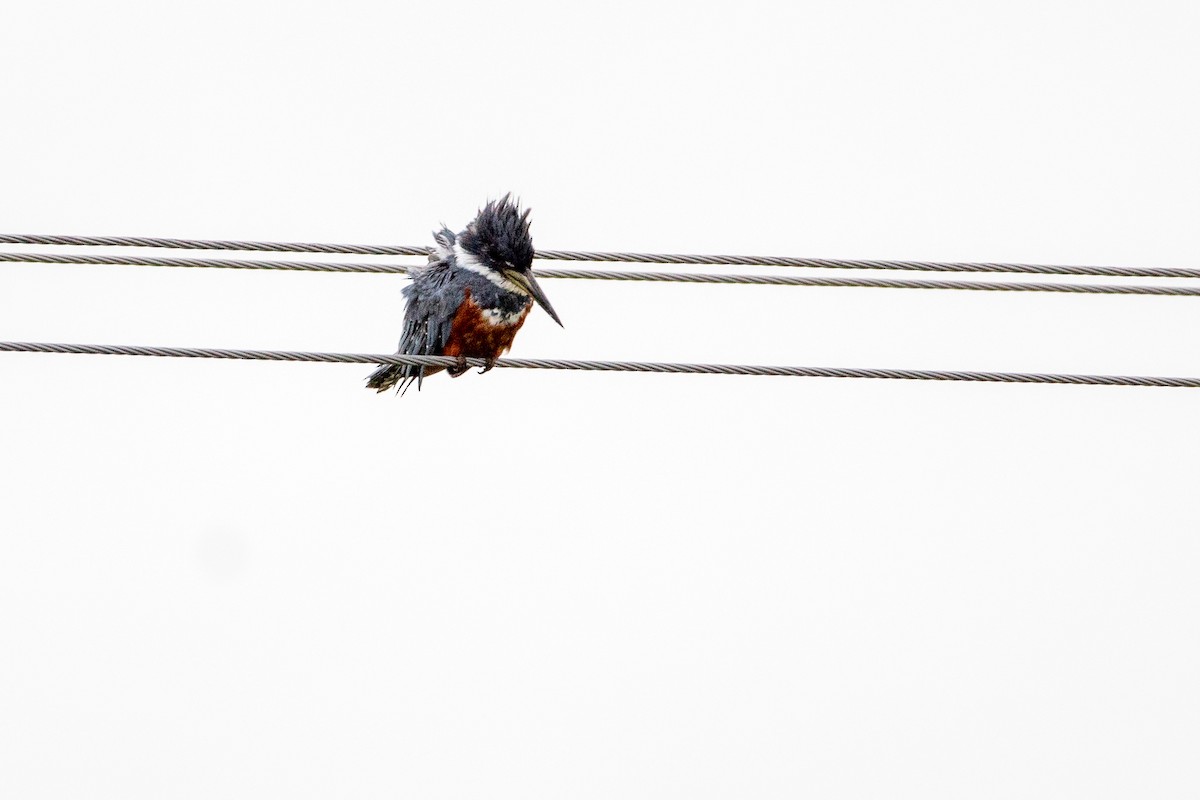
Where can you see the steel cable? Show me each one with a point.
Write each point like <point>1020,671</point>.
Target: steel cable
<point>604,366</point>
<point>639,258</point>
<point>588,274</point>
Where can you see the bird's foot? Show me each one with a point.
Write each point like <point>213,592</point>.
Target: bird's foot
<point>489,364</point>
<point>460,366</point>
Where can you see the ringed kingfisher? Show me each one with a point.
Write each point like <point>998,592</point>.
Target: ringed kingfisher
<point>472,297</point>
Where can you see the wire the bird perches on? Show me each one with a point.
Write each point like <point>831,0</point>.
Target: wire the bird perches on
<point>603,366</point>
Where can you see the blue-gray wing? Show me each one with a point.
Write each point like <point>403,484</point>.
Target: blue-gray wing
<point>433,299</point>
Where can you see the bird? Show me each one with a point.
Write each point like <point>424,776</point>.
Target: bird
<point>472,297</point>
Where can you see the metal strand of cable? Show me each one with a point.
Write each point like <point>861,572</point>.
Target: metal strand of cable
<point>587,274</point>
<point>638,258</point>
<point>603,366</point>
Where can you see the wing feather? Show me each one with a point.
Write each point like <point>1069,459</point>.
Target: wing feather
<point>433,299</point>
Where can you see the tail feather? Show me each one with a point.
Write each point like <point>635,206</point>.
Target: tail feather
<point>389,375</point>
<point>384,378</point>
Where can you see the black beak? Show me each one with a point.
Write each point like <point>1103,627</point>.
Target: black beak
<point>527,280</point>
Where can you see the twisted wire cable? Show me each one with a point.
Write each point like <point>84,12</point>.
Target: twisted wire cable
<point>213,244</point>
<point>604,366</point>
<point>592,274</point>
<point>216,263</point>
<point>632,258</point>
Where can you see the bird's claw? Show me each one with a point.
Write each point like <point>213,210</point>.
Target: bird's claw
<point>488,364</point>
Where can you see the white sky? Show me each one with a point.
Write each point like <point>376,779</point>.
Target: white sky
<point>261,580</point>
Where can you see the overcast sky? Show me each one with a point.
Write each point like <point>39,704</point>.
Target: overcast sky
<point>261,580</point>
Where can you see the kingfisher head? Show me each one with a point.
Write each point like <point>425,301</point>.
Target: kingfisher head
<point>497,243</point>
